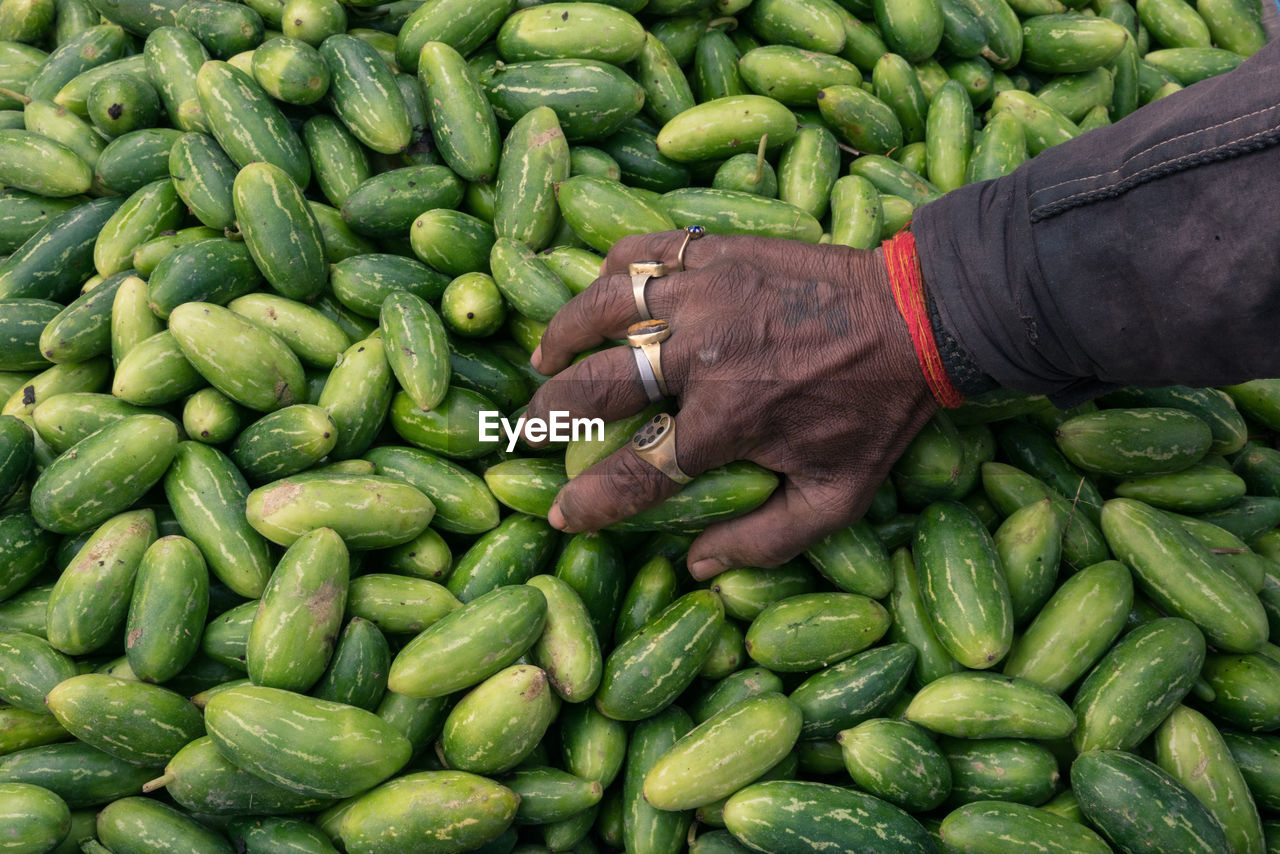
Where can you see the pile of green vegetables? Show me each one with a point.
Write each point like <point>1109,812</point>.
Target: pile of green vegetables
<point>265,588</point>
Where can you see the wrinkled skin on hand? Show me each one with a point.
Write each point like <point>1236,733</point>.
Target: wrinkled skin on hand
<point>790,355</point>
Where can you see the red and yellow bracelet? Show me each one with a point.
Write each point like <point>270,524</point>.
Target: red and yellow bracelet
<point>903,264</point>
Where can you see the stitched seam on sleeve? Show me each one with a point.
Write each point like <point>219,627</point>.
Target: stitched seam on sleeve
<point>1149,149</point>
<point>1222,151</point>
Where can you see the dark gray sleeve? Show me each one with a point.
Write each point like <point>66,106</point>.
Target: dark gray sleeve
<point>1143,253</point>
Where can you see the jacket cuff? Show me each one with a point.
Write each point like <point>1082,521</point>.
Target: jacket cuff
<point>966,376</point>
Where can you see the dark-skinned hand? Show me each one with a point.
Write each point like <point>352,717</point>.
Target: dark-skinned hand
<point>787,354</point>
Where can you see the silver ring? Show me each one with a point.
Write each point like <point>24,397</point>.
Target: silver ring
<point>647,377</point>
<point>647,337</point>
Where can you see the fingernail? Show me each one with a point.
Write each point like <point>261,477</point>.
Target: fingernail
<point>536,358</point>
<point>705,568</point>
<point>556,518</point>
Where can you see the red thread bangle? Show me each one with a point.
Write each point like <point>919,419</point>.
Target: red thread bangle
<point>903,264</point>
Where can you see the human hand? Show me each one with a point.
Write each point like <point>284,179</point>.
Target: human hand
<point>791,355</point>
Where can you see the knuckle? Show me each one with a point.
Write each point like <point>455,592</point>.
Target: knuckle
<point>596,299</point>
<point>666,296</point>
<point>828,516</point>
<point>699,349</point>
<point>675,367</point>
<point>552,340</point>
<point>588,373</point>
<point>610,385</point>
<point>693,458</point>
<point>645,485</point>
<point>571,504</point>
<point>616,394</point>
<point>640,247</point>
<point>735,272</point>
<point>732,341</point>
<point>771,554</point>
<point>602,381</point>
<point>615,488</point>
<point>625,247</point>
<point>560,338</point>
<point>828,509</point>
<point>701,445</point>
<point>537,404</point>
<point>545,399</point>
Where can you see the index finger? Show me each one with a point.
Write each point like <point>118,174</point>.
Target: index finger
<point>664,246</point>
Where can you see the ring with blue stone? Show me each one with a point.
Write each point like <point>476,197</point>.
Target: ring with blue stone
<point>691,232</point>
